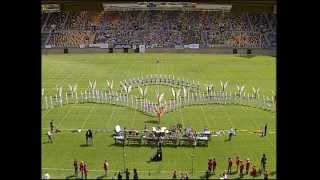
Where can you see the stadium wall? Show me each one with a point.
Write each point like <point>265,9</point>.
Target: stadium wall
<point>269,52</point>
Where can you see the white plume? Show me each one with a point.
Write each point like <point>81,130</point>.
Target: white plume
<point>141,91</point>
<point>111,85</point>
<point>241,89</point>
<point>75,87</point>
<point>145,91</point>
<point>42,91</point>
<point>254,90</point>
<point>178,93</point>
<point>90,84</point>
<point>70,87</point>
<point>129,89</point>
<point>94,84</point>
<point>121,83</point>
<point>160,97</point>
<point>184,92</point>
<point>225,85</point>
<point>125,88</point>
<point>108,83</point>
<point>173,93</point>
<point>238,88</point>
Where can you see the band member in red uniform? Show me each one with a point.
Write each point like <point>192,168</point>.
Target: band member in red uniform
<point>229,166</point>
<point>105,167</point>
<point>85,170</point>
<point>51,126</point>
<point>210,165</point>
<point>237,162</point>
<point>81,169</point>
<point>214,165</point>
<point>241,169</point>
<point>247,166</point>
<point>254,171</point>
<point>75,165</point>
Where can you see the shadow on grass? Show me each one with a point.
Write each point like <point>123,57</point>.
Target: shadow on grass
<point>247,56</point>
<point>117,145</point>
<point>84,145</point>
<point>272,173</point>
<point>150,161</point>
<point>151,121</point>
<point>101,177</point>
<point>71,176</point>
<point>206,175</point>
<point>234,172</point>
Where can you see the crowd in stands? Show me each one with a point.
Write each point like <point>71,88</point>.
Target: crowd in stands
<point>162,28</point>
<point>71,38</point>
<point>44,37</point>
<point>56,21</point>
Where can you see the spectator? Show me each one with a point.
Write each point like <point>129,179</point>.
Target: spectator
<point>214,165</point>
<point>174,175</point>
<point>46,175</point>
<point>210,163</point>
<point>186,176</point>
<point>85,170</point>
<point>51,126</point>
<point>127,174</point>
<point>182,176</point>
<point>135,174</point>
<point>247,165</point>
<point>105,167</point>
<point>237,162</point>
<point>229,166</point>
<point>241,169</point>
<point>224,176</point>
<point>82,169</point>
<point>263,162</point>
<point>265,175</point>
<point>75,166</point>
<point>119,176</point>
<point>50,135</point>
<point>254,171</point>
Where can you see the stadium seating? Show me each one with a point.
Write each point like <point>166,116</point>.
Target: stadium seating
<point>161,28</point>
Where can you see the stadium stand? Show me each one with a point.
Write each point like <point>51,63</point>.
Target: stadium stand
<point>167,29</point>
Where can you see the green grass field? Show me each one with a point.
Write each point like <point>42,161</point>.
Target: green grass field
<point>61,70</point>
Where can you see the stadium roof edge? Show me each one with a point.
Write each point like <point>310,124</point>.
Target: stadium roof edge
<point>196,1</point>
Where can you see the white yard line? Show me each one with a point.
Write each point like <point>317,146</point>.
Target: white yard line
<point>229,119</point>
<point>205,117</point>
<point>64,79</point>
<point>181,116</point>
<point>64,117</point>
<point>114,107</point>
<point>134,116</point>
<point>88,116</point>
<point>254,125</point>
<point>110,117</point>
<point>203,113</point>
<point>46,112</point>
